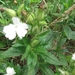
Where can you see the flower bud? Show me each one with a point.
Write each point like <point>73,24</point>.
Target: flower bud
<point>42,22</point>
<point>10,12</point>
<point>15,2</point>
<point>34,43</point>
<point>20,9</point>
<point>31,17</point>
<point>35,29</point>
<point>39,14</point>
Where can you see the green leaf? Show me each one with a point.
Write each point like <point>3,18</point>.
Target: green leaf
<point>68,31</point>
<point>73,35</point>
<point>73,72</point>
<point>47,56</point>
<point>2,2</point>
<point>34,62</point>
<point>61,43</point>
<point>26,52</point>
<point>50,38</point>
<point>11,52</point>
<point>17,45</point>
<point>42,36</point>
<point>2,21</point>
<point>2,68</point>
<point>18,69</point>
<point>1,28</point>
<point>70,2</point>
<point>46,70</point>
<point>44,33</point>
<point>29,59</point>
<point>62,59</point>
<point>32,58</point>
<point>41,50</point>
<point>2,44</point>
<point>51,59</point>
<point>35,0</point>
<point>30,70</point>
<point>27,5</point>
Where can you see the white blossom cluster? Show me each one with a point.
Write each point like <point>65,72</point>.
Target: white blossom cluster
<point>17,27</point>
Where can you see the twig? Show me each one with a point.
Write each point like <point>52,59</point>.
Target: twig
<point>67,12</point>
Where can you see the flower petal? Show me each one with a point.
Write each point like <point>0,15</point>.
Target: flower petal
<point>24,25</point>
<point>16,20</point>
<point>8,28</point>
<point>21,33</point>
<point>10,35</point>
<point>9,32</point>
<point>21,30</point>
<point>73,56</point>
<point>10,71</point>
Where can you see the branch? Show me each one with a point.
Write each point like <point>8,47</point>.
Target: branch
<point>67,12</point>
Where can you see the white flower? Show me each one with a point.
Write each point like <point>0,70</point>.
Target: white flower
<point>73,56</point>
<point>10,71</point>
<point>17,27</point>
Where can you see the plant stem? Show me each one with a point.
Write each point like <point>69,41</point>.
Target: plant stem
<point>67,12</point>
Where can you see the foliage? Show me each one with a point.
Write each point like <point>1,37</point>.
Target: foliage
<point>43,50</point>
